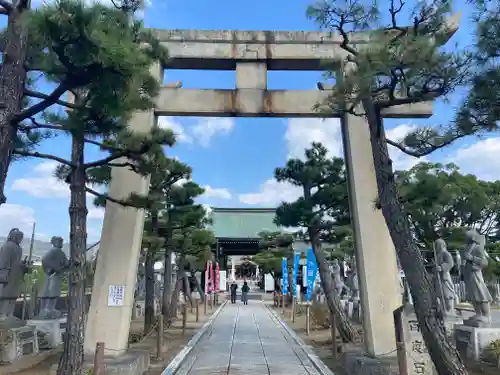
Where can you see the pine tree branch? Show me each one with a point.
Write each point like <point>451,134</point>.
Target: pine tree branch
<point>108,198</point>
<point>51,99</point>
<point>7,7</point>
<point>37,125</point>
<point>102,145</point>
<point>124,164</point>
<point>430,147</point>
<point>42,156</point>
<point>118,155</point>
<point>40,95</point>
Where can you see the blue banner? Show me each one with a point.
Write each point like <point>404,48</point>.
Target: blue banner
<point>284,279</point>
<point>295,273</point>
<point>312,270</point>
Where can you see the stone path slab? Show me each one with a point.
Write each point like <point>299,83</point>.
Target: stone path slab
<point>246,340</point>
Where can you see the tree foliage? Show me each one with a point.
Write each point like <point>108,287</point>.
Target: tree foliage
<point>403,63</point>
<point>440,202</point>
<point>322,206</point>
<point>273,247</point>
<point>102,56</point>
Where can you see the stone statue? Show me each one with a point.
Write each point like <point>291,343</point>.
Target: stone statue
<point>12,271</point>
<point>354,282</point>
<point>458,264</point>
<point>475,260</point>
<point>444,264</point>
<point>54,264</point>
<point>338,284</point>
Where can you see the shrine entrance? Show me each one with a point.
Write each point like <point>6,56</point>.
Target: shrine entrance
<point>251,54</point>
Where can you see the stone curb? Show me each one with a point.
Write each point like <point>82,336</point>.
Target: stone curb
<point>179,359</point>
<point>315,360</point>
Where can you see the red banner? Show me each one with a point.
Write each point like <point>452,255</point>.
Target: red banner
<point>217,278</point>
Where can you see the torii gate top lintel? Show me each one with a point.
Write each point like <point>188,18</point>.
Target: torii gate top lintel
<point>252,54</point>
<point>280,50</point>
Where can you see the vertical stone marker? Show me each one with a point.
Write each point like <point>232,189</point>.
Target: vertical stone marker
<point>413,357</point>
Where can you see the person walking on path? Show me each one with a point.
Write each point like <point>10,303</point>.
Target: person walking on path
<point>234,288</point>
<point>244,293</point>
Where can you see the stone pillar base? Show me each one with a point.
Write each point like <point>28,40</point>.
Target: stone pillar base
<point>472,342</point>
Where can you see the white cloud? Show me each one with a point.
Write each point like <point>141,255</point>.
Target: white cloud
<point>302,132</point>
<point>400,160</point>
<point>480,158</point>
<point>95,213</point>
<point>271,193</point>
<point>299,136</point>
<point>201,132</point>
<point>207,128</point>
<point>43,184</point>
<point>16,216</point>
<point>177,129</point>
<point>210,192</point>
<point>218,193</point>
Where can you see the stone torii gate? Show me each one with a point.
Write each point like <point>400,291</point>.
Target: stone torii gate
<point>252,54</point>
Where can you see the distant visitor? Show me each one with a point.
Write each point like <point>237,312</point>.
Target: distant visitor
<point>244,293</point>
<point>234,288</point>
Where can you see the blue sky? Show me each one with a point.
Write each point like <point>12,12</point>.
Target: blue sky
<point>233,158</point>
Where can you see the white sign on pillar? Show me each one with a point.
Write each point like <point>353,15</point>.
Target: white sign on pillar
<point>116,295</point>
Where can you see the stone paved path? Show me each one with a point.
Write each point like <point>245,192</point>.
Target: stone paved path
<point>246,340</point>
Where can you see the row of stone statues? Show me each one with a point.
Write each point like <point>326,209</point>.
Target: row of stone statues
<point>475,259</point>
<point>13,269</point>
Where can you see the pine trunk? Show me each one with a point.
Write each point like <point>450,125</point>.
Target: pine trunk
<point>149,270</point>
<point>344,326</point>
<point>12,81</point>
<point>167,277</point>
<point>198,287</point>
<point>71,361</point>
<point>174,301</point>
<point>429,314</point>
<point>187,290</point>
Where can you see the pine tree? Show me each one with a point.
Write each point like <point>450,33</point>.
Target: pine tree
<point>72,63</point>
<point>169,207</point>
<point>193,246</point>
<point>181,216</point>
<point>273,247</point>
<point>403,65</point>
<point>108,55</point>
<point>322,206</point>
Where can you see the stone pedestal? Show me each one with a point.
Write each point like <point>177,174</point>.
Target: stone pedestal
<point>472,341</point>
<point>50,329</point>
<point>450,321</point>
<point>18,342</point>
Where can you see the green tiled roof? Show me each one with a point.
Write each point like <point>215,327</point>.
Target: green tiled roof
<point>242,222</point>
